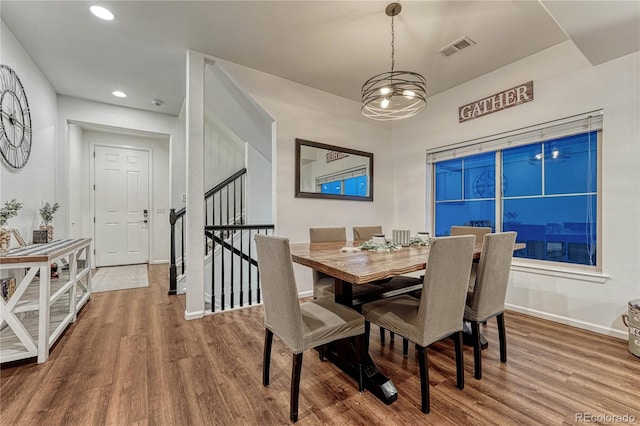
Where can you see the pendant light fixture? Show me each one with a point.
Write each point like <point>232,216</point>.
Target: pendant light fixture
<point>394,95</point>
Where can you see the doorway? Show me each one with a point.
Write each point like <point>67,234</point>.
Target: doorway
<point>121,200</point>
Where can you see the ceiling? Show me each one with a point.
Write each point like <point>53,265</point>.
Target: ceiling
<point>329,45</point>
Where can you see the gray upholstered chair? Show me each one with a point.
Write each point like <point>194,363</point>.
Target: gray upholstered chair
<point>365,233</point>
<point>487,298</point>
<point>323,284</point>
<point>478,232</point>
<point>439,311</point>
<point>299,326</point>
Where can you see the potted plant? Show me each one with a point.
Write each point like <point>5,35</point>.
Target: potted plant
<point>9,210</point>
<point>46,212</point>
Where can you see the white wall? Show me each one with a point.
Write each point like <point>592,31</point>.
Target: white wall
<point>158,147</point>
<point>302,112</point>
<point>35,181</point>
<point>565,84</point>
<point>89,114</point>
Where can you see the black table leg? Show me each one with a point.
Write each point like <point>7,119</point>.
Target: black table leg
<point>343,355</point>
<point>468,340</point>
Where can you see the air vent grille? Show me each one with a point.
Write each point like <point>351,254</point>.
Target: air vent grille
<point>456,46</point>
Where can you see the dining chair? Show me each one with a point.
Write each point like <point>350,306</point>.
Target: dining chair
<point>323,284</point>
<point>478,232</point>
<point>299,326</point>
<point>487,298</point>
<point>439,311</point>
<point>365,233</point>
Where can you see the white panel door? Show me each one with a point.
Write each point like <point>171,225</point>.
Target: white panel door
<point>121,197</point>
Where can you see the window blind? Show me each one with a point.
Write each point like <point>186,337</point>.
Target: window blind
<point>568,126</point>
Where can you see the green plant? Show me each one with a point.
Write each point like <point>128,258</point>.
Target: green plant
<point>47,211</point>
<point>9,210</point>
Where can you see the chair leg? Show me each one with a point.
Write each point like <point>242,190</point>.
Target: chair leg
<point>266,360</point>
<point>405,347</point>
<point>360,355</point>
<point>321,353</point>
<point>477,350</point>
<point>503,337</point>
<point>295,385</point>
<point>392,336</point>
<point>381,336</point>
<point>457,338</point>
<point>424,378</point>
<point>367,332</point>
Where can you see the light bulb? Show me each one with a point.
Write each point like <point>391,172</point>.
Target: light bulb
<point>385,90</point>
<point>538,156</point>
<point>101,13</point>
<point>384,103</point>
<point>409,94</point>
<point>119,94</point>
<point>555,154</point>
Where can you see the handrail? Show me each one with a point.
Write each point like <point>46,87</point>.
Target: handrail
<point>175,216</point>
<point>224,183</point>
<point>226,238</point>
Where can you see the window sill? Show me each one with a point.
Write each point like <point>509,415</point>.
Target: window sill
<point>593,276</point>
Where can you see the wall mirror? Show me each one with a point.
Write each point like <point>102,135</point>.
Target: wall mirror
<point>328,171</point>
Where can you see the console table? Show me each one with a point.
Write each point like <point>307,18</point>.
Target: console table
<point>42,306</point>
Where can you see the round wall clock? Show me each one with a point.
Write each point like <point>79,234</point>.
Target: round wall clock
<point>15,125</point>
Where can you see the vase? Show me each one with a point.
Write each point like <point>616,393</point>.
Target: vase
<point>5,239</point>
<point>49,229</point>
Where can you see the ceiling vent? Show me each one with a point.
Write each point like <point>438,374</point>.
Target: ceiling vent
<point>456,46</point>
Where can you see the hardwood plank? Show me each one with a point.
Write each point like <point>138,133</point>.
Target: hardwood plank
<point>131,358</point>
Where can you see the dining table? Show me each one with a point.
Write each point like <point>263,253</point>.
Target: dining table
<point>349,265</point>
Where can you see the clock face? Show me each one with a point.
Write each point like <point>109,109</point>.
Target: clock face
<point>15,124</point>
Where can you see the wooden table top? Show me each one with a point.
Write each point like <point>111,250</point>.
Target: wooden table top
<point>42,252</point>
<point>364,266</point>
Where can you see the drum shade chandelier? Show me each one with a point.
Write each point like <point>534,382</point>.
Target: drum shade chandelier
<point>394,95</point>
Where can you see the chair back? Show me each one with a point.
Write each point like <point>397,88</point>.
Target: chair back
<point>478,231</point>
<point>279,290</point>
<point>327,235</point>
<point>444,293</point>
<point>365,233</point>
<point>490,291</point>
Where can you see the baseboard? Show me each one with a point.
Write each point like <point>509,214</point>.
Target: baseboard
<point>158,262</point>
<point>193,315</point>
<point>608,331</point>
<point>305,294</point>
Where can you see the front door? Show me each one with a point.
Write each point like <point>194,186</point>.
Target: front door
<point>121,197</point>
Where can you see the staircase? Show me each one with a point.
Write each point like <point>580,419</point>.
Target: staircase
<point>230,267</point>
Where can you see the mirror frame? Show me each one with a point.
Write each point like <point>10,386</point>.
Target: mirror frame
<point>302,194</point>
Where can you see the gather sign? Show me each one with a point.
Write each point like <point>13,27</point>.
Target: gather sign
<point>506,99</point>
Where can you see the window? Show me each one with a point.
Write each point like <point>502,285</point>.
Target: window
<point>465,192</point>
<point>548,193</point>
<point>352,182</point>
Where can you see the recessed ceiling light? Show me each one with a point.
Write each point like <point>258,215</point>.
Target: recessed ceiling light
<point>119,94</point>
<point>101,12</point>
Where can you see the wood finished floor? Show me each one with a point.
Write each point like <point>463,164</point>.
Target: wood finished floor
<point>132,359</point>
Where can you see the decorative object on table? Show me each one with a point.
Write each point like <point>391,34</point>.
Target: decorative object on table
<point>371,245</point>
<point>15,131</point>
<point>7,287</point>
<point>401,237</point>
<point>16,234</point>
<point>40,236</point>
<point>9,210</point>
<point>394,95</point>
<point>421,239</point>
<point>46,212</point>
<point>378,239</point>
